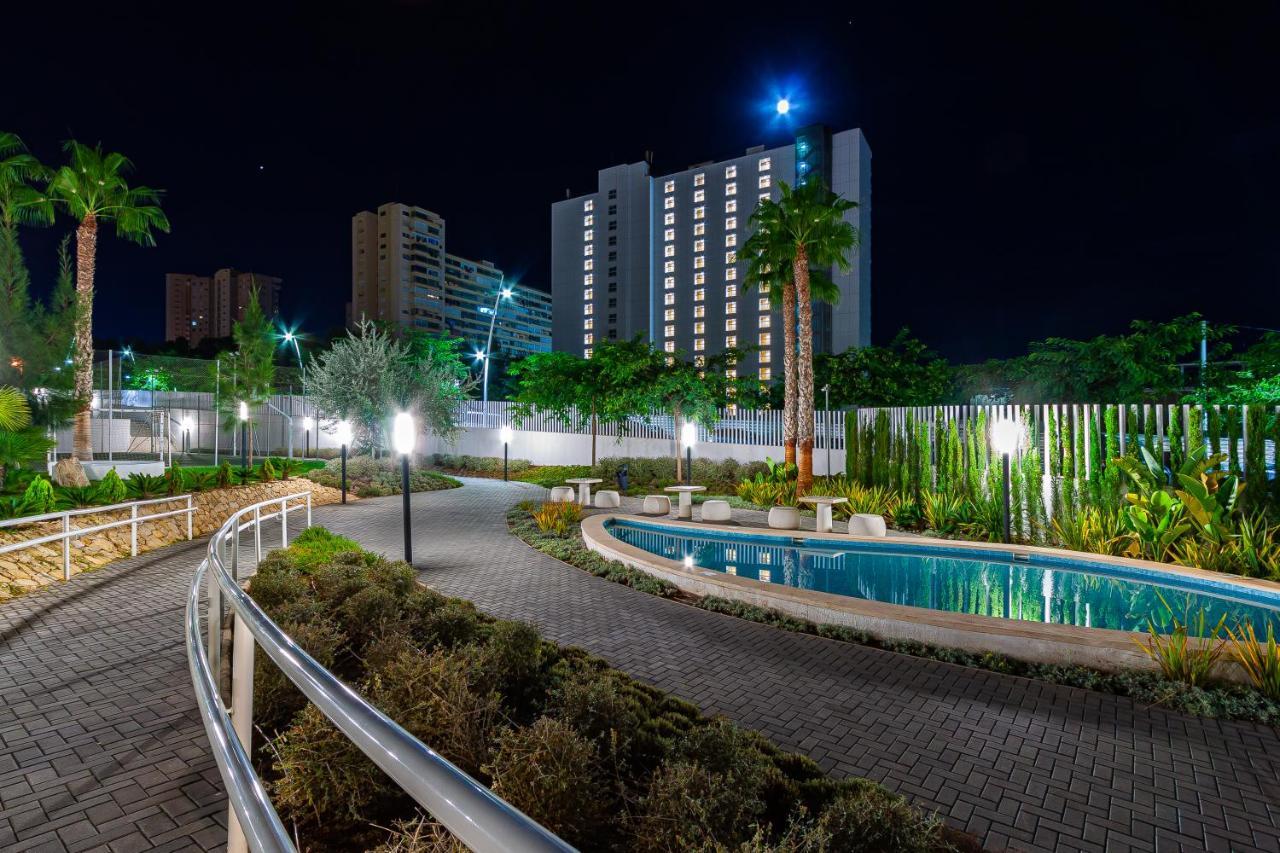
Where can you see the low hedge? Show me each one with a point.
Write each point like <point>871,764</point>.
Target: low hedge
<point>372,478</point>
<point>607,762</point>
<point>1228,702</point>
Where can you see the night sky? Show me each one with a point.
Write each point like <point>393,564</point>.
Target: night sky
<point>1037,170</point>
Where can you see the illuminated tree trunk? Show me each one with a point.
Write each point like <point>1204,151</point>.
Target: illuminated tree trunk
<point>804,373</point>
<point>789,397</point>
<point>86,256</point>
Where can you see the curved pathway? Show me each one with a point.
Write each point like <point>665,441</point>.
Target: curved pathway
<point>101,747</point>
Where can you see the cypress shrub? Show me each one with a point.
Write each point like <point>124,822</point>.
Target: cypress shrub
<point>851,445</point>
<point>1177,452</point>
<point>1255,466</point>
<point>1233,440</point>
<point>1055,456</point>
<point>1215,433</point>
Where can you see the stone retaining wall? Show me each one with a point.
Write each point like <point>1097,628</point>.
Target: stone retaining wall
<point>30,568</point>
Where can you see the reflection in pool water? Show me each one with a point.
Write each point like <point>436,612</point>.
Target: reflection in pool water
<point>1060,590</point>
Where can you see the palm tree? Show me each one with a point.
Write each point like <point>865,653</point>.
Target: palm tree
<point>805,228</point>
<point>93,189</point>
<point>21,203</point>
<point>771,274</point>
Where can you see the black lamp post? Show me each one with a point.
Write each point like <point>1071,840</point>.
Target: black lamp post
<point>344,438</point>
<point>403,434</point>
<point>506,445</point>
<point>688,434</point>
<point>307,423</point>
<point>1004,440</point>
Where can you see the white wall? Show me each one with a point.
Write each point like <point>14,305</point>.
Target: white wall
<point>546,448</point>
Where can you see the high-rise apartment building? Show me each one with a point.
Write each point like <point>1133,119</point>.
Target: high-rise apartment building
<point>402,275</point>
<point>200,306</point>
<point>660,255</point>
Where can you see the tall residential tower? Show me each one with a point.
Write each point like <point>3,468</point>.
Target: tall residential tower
<point>659,255</point>
<point>201,306</point>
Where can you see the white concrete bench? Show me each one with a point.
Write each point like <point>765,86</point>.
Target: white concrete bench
<point>716,511</point>
<point>867,524</point>
<point>656,505</point>
<point>562,494</point>
<point>784,518</point>
<point>607,499</point>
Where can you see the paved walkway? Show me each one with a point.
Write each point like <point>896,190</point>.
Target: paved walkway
<point>101,748</point>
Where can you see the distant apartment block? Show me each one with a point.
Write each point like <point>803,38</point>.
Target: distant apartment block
<point>659,256</point>
<point>203,306</point>
<point>402,275</point>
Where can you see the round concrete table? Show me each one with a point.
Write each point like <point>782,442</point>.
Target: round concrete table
<point>685,509</point>
<point>584,488</point>
<point>823,505</point>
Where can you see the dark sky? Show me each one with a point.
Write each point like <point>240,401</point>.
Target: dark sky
<point>1038,169</point>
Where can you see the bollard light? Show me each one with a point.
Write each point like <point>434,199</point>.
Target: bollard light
<point>688,437</point>
<point>506,435</point>
<point>1005,435</point>
<point>343,433</point>
<point>244,440</point>
<point>403,437</point>
<point>186,433</point>
<point>308,424</point>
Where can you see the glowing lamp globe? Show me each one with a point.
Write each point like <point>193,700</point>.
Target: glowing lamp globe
<point>1004,437</point>
<point>783,106</point>
<point>506,435</point>
<point>689,434</point>
<point>343,432</point>
<point>244,411</point>
<point>308,423</point>
<point>187,424</point>
<point>403,434</point>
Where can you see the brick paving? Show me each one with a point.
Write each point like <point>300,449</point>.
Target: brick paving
<point>101,747</point>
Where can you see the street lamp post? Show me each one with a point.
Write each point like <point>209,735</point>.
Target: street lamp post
<point>503,293</point>
<point>244,439</point>
<point>343,434</point>
<point>307,423</point>
<point>506,443</point>
<point>1004,440</point>
<point>688,435</point>
<point>403,435</point>
<point>186,434</point>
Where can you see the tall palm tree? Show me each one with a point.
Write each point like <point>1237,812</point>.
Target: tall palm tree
<point>805,228</point>
<point>21,203</point>
<point>93,189</point>
<point>770,273</point>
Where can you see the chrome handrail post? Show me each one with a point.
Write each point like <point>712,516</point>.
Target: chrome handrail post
<point>241,714</point>
<point>257,533</point>
<point>284,522</point>
<point>190,515</point>
<point>66,546</point>
<point>308,509</point>
<point>235,549</point>
<point>133,531</point>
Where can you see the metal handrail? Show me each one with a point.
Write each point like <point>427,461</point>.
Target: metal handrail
<point>68,532</point>
<point>473,813</point>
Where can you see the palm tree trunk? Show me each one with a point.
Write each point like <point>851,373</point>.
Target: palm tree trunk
<point>675,433</point>
<point>789,373</point>
<point>86,259</point>
<point>804,373</point>
<point>594,429</point>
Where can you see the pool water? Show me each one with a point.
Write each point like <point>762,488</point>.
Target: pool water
<point>985,582</point>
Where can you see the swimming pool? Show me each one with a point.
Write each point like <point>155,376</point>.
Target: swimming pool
<point>1060,590</point>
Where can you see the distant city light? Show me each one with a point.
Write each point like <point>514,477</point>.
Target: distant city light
<point>479,355</point>
<point>783,106</point>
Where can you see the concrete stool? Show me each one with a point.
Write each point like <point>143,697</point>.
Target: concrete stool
<point>716,511</point>
<point>656,505</point>
<point>562,495</point>
<point>867,524</point>
<point>607,499</point>
<point>784,518</point>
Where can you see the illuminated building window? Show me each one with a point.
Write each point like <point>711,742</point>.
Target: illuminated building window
<point>699,361</point>
<point>731,340</point>
<point>588,295</point>
<point>588,249</point>
<point>699,212</point>
<point>589,308</point>
<point>668,299</point>
<point>589,279</point>
<point>699,229</point>
<point>588,338</point>
<point>699,262</point>
<point>731,373</point>
<point>764,182</point>
<point>699,310</point>
<point>669,234</point>
<point>731,324</point>
<point>764,196</point>
<point>588,205</point>
<point>731,274</point>
<point>586,353</point>
<point>699,344</point>
<point>765,163</point>
<point>731,188</point>
<point>731,308</point>
<point>669,251</point>
<point>588,235</point>
<point>730,257</point>
<point>699,195</point>
<point>730,172</point>
<point>699,295</point>
<point>669,266</point>
<point>699,245</point>
<point>670,331</point>
<point>731,206</point>
<point>699,328</point>
<point>669,187</point>
<point>669,282</point>
<point>588,264</point>
<point>730,291</point>
<point>700,278</point>
<point>699,179</point>
<point>589,323</point>
<point>731,239</point>
<point>763,304</point>
<point>730,223</point>
<point>588,220</point>
<point>668,218</point>
<point>669,346</point>
<point>669,314</point>
<point>669,202</point>
<point>766,339</point>
<point>766,320</point>
<point>766,356</point>
<point>766,374</point>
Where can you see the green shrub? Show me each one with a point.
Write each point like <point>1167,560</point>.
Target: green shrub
<point>276,700</point>
<point>869,819</point>
<point>75,497</point>
<point>549,772</point>
<point>146,486</point>
<point>323,776</point>
<point>421,835</point>
<point>224,475</point>
<point>39,497</point>
<point>112,489</point>
<point>513,662</point>
<point>268,471</point>
<point>173,479</point>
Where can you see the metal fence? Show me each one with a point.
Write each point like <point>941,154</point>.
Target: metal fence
<point>756,427</point>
